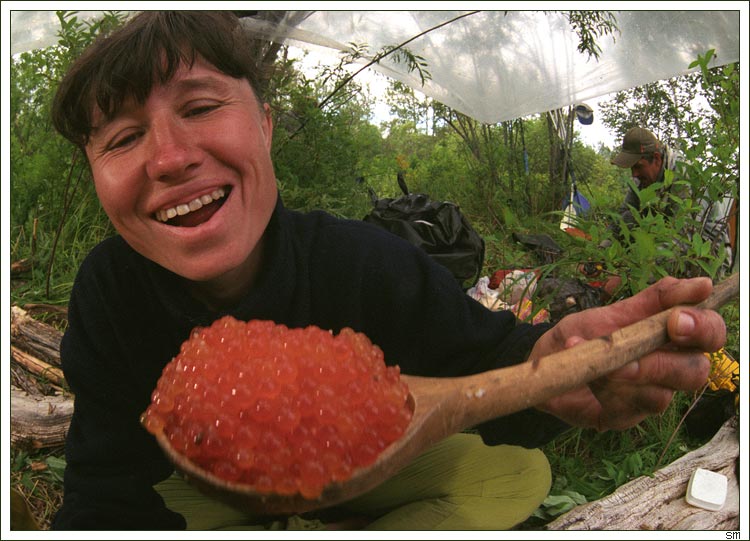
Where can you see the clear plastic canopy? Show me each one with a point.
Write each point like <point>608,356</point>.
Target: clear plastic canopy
<point>494,65</point>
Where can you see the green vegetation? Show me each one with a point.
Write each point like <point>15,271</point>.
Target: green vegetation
<point>320,152</point>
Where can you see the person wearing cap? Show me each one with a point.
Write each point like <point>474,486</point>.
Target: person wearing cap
<point>644,155</point>
<point>648,158</point>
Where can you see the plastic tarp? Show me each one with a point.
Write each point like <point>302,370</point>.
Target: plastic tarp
<point>496,65</point>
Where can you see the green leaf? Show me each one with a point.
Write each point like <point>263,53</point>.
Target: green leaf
<point>557,504</point>
<point>27,481</point>
<point>56,467</point>
<point>19,461</point>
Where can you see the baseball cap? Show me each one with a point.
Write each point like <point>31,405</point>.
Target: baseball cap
<point>637,143</point>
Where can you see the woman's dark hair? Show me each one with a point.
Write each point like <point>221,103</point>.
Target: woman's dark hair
<point>147,50</point>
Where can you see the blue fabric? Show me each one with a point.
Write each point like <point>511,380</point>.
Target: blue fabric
<point>580,203</point>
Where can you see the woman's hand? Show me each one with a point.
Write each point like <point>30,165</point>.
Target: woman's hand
<point>626,396</point>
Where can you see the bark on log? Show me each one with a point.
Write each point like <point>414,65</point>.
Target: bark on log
<point>20,378</point>
<point>35,337</point>
<point>658,502</point>
<point>39,421</point>
<point>35,366</point>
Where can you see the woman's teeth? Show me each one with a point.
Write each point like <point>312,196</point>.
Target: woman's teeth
<point>180,210</point>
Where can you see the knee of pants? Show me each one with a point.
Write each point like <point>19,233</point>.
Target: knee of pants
<point>541,474</point>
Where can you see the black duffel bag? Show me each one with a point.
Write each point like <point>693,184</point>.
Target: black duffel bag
<point>439,228</point>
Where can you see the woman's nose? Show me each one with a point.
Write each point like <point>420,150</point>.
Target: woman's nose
<point>172,152</point>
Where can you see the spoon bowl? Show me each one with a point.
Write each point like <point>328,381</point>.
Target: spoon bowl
<point>445,406</point>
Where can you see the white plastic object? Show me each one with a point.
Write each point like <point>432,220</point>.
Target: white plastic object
<point>707,489</point>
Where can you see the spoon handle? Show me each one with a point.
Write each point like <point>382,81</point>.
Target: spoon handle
<point>503,391</point>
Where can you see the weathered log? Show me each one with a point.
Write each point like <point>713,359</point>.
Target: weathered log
<point>21,378</point>
<point>658,502</point>
<point>38,367</point>
<point>39,421</point>
<point>35,337</point>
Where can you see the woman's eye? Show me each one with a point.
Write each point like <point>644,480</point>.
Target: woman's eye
<point>120,142</point>
<point>200,110</point>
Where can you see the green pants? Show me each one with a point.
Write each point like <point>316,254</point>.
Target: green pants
<point>459,484</point>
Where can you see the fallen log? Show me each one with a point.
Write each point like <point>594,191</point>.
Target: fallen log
<point>658,502</point>
<point>20,377</point>
<point>35,337</point>
<point>39,421</point>
<point>38,367</point>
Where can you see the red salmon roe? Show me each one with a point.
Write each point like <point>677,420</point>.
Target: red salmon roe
<point>281,410</point>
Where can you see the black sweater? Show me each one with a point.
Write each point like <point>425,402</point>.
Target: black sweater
<point>128,317</point>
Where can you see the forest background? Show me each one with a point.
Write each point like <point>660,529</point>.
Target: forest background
<point>510,177</point>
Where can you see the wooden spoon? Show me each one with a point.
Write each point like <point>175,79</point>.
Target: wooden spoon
<point>445,406</point>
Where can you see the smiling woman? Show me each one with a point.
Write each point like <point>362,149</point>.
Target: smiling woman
<point>184,133</point>
<point>203,134</point>
<point>175,138</point>
<point>157,150</point>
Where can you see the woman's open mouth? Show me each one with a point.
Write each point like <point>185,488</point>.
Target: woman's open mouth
<point>195,212</point>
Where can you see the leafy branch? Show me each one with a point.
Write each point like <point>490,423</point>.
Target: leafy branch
<point>401,54</point>
<point>590,25</point>
<point>413,61</point>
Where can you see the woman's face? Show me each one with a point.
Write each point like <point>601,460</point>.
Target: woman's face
<point>186,178</point>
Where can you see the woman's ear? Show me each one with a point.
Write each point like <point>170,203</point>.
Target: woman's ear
<point>267,125</point>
